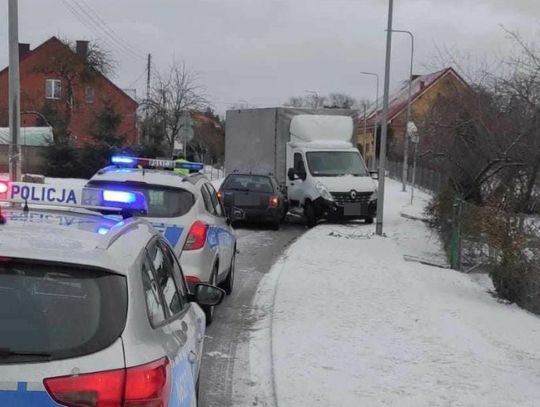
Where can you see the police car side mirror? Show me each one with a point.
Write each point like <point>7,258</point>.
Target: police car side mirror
<point>206,294</point>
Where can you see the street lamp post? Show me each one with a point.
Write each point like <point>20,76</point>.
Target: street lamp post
<point>316,97</point>
<point>384,119</point>
<point>406,138</point>
<point>14,93</point>
<point>374,162</point>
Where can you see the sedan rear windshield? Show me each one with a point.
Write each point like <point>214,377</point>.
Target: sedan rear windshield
<point>163,202</point>
<point>251,183</point>
<point>50,312</point>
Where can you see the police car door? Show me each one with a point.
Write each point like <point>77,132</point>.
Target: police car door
<point>178,329</point>
<point>219,232</point>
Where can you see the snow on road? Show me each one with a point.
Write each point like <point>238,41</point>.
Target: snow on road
<point>353,324</point>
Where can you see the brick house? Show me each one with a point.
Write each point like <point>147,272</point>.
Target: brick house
<point>425,91</point>
<point>46,87</point>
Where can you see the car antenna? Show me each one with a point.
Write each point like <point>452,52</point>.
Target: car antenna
<point>25,207</point>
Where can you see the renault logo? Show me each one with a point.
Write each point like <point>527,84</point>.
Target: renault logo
<point>353,194</point>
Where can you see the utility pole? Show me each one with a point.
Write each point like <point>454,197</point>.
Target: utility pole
<point>406,137</point>
<point>148,76</point>
<point>148,71</point>
<point>384,119</point>
<point>14,94</point>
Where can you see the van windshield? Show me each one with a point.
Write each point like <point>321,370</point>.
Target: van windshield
<point>336,163</point>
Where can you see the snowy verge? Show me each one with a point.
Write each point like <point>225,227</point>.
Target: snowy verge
<point>354,324</point>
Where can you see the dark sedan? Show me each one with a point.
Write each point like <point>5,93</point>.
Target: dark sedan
<point>257,198</point>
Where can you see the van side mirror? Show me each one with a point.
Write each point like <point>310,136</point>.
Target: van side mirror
<point>291,174</point>
<point>374,174</point>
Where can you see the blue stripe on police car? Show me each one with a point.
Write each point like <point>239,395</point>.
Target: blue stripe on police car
<point>21,396</point>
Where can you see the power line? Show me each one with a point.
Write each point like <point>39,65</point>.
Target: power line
<point>107,28</point>
<point>138,78</point>
<point>104,31</point>
<point>83,16</point>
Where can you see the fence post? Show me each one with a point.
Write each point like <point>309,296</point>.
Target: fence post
<point>455,239</point>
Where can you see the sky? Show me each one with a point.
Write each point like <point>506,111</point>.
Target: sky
<point>261,52</point>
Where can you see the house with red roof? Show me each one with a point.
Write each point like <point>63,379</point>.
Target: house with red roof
<point>425,91</point>
<point>50,86</point>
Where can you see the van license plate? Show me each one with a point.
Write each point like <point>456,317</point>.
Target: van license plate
<point>352,209</point>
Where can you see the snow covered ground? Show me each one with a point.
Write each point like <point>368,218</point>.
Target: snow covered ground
<point>354,324</point>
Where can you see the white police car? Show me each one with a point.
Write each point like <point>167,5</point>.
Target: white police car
<point>94,309</point>
<point>186,209</point>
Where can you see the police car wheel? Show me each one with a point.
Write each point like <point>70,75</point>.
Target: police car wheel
<point>228,284</point>
<point>209,310</point>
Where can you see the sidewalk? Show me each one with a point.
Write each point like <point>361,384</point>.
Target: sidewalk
<point>354,324</point>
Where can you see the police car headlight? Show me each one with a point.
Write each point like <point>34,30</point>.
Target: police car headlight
<point>323,191</point>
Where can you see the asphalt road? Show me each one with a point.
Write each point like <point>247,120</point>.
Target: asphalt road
<point>259,249</point>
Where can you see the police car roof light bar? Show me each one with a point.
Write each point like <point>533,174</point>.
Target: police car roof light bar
<point>156,163</point>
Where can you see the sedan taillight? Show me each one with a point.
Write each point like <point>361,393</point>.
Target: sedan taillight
<point>274,201</point>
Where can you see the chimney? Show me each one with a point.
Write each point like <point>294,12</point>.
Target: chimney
<point>23,49</point>
<point>82,49</point>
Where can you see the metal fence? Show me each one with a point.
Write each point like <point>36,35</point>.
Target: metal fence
<point>426,178</point>
<point>213,173</point>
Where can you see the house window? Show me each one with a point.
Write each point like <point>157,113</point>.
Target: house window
<point>53,89</point>
<point>89,94</point>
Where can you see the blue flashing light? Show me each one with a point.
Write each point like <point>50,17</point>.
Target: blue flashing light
<point>129,201</point>
<point>119,197</point>
<point>103,230</point>
<point>118,159</point>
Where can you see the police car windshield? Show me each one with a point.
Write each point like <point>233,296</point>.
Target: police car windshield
<point>249,183</point>
<point>50,312</point>
<point>162,201</point>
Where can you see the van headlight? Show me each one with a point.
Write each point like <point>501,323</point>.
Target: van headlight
<point>323,191</point>
<point>374,195</point>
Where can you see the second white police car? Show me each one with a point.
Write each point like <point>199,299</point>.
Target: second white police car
<point>186,209</point>
<point>94,309</point>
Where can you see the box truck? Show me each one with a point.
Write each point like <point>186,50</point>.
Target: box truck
<point>312,153</point>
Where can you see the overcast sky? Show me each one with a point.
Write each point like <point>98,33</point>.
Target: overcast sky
<point>263,51</point>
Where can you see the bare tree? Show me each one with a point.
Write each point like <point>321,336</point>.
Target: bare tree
<point>341,101</point>
<point>172,95</point>
<point>334,100</point>
<point>75,70</point>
